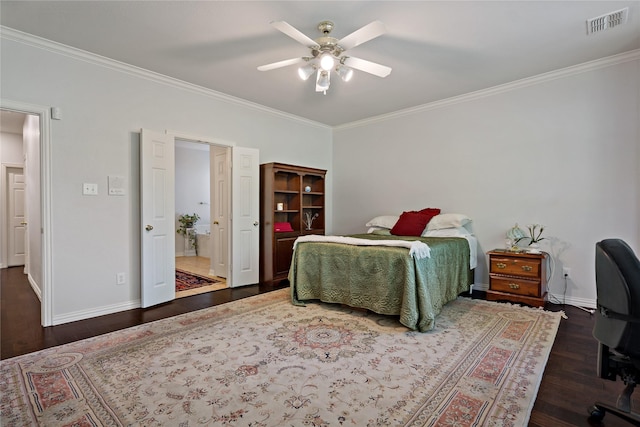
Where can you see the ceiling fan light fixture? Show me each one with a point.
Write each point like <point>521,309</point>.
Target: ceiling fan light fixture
<point>326,61</point>
<point>306,71</point>
<point>345,73</point>
<point>326,53</point>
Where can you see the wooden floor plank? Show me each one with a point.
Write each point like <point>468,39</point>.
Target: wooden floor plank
<point>568,389</point>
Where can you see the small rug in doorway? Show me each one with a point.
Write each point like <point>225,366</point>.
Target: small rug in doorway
<point>186,281</point>
<point>262,361</point>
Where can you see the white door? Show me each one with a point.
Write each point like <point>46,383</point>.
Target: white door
<point>157,206</point>
<point>245,216</point>
<point>219,210</point>
<point>16,216</point>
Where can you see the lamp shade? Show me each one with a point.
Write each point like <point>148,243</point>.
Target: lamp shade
<point>322,81</point>
<point>306,71</point>
<point>345,73</point>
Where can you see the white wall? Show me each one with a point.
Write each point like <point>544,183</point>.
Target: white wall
<point>104,105</point>
<point>562,152</point>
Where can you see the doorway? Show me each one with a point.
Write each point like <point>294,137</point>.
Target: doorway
<point>200,178</point>
<point>12,192</point>
<point>158,219</point>
<point>24,195</point>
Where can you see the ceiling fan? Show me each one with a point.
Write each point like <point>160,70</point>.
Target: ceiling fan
<point>327,53</point>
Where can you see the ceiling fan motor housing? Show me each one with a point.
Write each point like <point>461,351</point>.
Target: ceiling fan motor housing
<point>325,27</point>
<point>326,43</point>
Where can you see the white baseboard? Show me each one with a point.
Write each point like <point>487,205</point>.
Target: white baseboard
<point>480,287</point>
<point>569,300</point>
<point>35,287</point>
<point>100,311</point>
<point>552,298</point>
<point>187,253</point>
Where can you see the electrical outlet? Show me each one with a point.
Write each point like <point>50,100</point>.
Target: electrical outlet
<point>566,271</point>
<point>120,279</point>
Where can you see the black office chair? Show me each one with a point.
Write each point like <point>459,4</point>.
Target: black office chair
<point>617,326</point>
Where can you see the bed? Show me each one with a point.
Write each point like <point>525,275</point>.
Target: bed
<point>385,279</point>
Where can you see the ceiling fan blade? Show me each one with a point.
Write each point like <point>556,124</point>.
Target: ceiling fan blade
<point>364,34</point>
<point>367,66</point>
<point>294,33</point>
<point>281,64</point>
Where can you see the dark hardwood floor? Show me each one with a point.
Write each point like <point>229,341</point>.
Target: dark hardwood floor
<point>569,386</point>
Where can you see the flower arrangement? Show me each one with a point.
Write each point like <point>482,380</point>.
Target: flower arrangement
<point>535,234</point>
<point>309,217</point>
<point>186,222</point>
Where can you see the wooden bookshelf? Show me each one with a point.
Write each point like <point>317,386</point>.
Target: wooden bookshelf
<point>288,194</point>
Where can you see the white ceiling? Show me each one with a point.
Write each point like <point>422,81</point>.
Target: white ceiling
<point>437,49</point>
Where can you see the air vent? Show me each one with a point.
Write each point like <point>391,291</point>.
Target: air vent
<point>608,21</point>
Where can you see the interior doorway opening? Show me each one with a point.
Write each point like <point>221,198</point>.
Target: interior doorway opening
<point>201,180</point>
<point>24,196</point>
<point>240,194</point>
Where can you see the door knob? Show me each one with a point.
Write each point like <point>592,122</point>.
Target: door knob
<point>255,223</point>
<point>215,223</point>
<point>149,227</point>
<point>23,223</point>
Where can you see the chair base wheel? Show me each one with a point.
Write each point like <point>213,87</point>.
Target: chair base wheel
<point>596,414</point>
<point>598,411</point>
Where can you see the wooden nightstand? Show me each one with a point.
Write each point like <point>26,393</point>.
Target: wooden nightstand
<point>518,277</point>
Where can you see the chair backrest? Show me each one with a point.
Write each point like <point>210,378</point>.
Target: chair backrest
<point>618,289</point>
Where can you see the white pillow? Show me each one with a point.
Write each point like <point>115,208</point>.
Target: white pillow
<point>449,220</point>
<point>447,232</point>
<point>379,231</point>
<point>384,221</point>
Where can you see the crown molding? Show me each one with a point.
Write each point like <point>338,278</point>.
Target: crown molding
<point>8,33</point>
<point>608,61</point>
<point>59,48</point>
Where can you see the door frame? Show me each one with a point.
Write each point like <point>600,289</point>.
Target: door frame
<point>44,114</point>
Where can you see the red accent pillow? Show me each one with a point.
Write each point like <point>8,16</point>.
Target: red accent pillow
<point>410,224</point>
<point>430,211</point>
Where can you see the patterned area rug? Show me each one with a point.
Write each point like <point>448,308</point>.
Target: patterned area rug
<point>186,280</point>
<point>261,361</point>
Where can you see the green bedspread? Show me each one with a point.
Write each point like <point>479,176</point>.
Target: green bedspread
<point>383,279</point>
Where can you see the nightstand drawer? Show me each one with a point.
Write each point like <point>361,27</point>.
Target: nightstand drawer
<point>515,266</point>
<point>515,286</point>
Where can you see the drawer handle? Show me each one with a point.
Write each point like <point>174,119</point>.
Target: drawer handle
<point>527,268</point>
<point>501,265</point>
<point>514,286</point>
